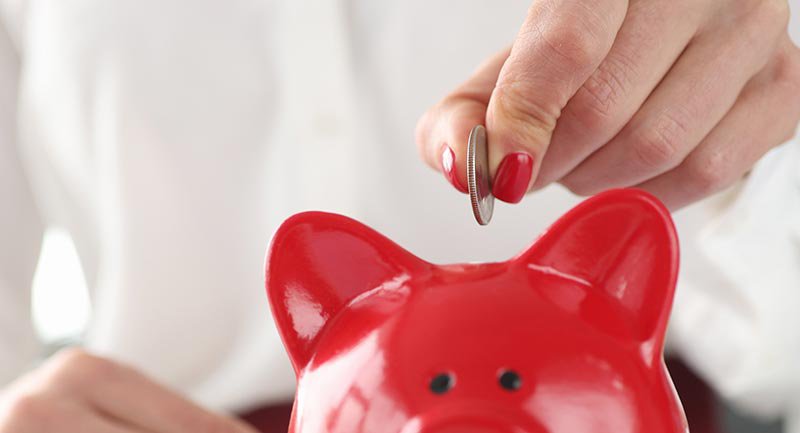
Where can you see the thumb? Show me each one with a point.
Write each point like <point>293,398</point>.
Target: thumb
<point>560,45</point>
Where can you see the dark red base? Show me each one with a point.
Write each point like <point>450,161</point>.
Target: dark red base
<point>270,419</point>
<point>698,400</point>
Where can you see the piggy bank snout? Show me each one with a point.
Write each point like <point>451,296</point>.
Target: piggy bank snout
<point>476,427</point>
<point>473,424</point>
<point>464,429</point>
<point>468,428</point>
<point>473,416</point>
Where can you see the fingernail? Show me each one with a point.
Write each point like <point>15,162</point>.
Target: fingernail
<point>449,168</point>
<point>513,177</point>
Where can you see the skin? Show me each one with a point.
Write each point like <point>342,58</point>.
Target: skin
<point>677,97</point>
<point>82,393</point>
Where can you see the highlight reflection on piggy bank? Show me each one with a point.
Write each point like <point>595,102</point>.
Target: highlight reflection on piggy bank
<point>566,337</point>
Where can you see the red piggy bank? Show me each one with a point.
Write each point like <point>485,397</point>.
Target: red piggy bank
<point>566,337</point>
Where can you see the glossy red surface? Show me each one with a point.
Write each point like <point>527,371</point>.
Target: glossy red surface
<point>448,166</point>
<point>579,316</point>
<point>513,177</point>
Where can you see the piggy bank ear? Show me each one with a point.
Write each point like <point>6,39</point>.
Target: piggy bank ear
<point>318,263</point>
<point>623,243</point>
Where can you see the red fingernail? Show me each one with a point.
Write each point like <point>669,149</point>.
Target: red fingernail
<point>513,177</point>
<point>449,168</point>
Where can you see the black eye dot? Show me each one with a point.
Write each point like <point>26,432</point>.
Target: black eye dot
<point>442,383</point>
<point>510,380</point>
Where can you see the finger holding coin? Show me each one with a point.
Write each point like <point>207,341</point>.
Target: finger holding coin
<point>443,132</point>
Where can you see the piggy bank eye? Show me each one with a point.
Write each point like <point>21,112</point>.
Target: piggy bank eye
<point>509,380</point>
<point>442,383</point>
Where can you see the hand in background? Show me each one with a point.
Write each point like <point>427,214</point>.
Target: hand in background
<point>80,393</point>
<point>680,98</point>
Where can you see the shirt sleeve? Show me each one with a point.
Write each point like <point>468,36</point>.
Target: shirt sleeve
<point>737,312</point>
<point>20,231</point>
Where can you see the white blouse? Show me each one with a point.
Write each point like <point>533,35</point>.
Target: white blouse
<point>171,137</point>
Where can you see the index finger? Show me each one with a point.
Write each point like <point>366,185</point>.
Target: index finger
<point>561,43</point>
<point>134,399</point>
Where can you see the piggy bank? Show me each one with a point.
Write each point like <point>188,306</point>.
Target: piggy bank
<point>566,337</point>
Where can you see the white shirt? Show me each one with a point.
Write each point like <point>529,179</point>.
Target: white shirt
<point>171,137</point>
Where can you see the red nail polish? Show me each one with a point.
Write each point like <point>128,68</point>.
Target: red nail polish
<point>449,168</point>
<point>513,177</point>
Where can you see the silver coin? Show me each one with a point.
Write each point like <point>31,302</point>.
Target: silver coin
<point>480,191</point>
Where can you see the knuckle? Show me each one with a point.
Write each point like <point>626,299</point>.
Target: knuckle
<point>577,36</point>
<point>596,102</point>
<point>787,69</point>
<point>573,46</point>
<point>761,23</point>
<point>27,410</point>
<point>70,356</point>
<point>70,360</point>
<point>757,12</point>
<point>25,407</point>
<point>658,147</point>
<point>513,103</point>
<point>76,367</point>
<point>709,174</point>
<point>774,14</point>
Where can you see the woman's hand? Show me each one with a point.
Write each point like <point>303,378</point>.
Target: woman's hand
<point>81,393</point>
<point>678,97</point>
